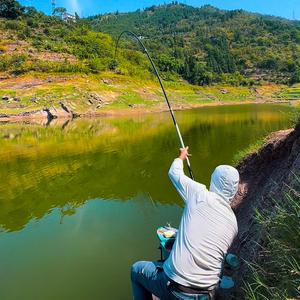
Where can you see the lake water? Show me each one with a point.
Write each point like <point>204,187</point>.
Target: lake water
<point>81,201</point>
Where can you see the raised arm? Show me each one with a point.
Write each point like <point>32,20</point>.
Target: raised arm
<point>186,187</point>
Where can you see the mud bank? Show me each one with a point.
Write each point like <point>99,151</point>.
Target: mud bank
<point>66,113</point>
<point>265,177</point>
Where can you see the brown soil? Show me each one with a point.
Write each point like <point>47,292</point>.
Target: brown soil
<point>55,57</point>
<point>265,176</point>
<point>14,83</point>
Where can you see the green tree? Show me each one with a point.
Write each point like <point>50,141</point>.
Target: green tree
<point>59,11</point>
<point>295,76</point>
<point>10,9</point>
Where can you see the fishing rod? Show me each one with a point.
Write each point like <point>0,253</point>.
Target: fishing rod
<point>163,89</point>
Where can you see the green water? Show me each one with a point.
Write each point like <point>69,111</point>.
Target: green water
<point>80,201</point>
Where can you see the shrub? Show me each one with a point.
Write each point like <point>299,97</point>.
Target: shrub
<point>96,65</point>
<point>8,62</point>
<point>14,25</point>
<point>113,64</point>
<point>236,79</point>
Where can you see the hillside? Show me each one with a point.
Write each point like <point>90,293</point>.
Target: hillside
<point>47,63</point>
<point>36,42</point>
<point>205,45</point>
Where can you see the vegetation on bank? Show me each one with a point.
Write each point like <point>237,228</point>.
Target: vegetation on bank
<point>201,45</point>
<point>45,60</point>
<point>276,273</point>
<point>252,148</point>
<point>108,91</point>
<point>31,41</point>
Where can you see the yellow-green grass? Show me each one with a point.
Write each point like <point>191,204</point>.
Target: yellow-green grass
<point>112,92</point>
<point>291,93</point>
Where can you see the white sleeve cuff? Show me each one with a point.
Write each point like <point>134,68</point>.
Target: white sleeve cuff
<point>178,162</point>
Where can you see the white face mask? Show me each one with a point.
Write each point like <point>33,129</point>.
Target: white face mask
<point>225,182</point>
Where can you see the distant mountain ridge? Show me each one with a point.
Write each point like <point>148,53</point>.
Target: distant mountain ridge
<point>205,45</point>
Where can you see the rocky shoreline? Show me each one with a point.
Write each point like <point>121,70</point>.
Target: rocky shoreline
<point>65,112</point>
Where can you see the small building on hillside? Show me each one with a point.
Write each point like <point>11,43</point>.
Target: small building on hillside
<point>68,18</point>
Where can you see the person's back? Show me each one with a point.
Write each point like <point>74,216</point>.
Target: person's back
<point>207,229</point>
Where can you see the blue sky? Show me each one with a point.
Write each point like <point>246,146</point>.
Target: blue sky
<point>283,8</point>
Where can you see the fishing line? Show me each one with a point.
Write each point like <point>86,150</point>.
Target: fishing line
<point>163,89</point>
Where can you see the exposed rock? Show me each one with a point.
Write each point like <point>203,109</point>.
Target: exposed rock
<point>34,100</point>
<point>223,91</point>
<point>17,99</point>
<point>95,97</point>
<point>106,81</point>
<point>67,111</point>
<point>64,107</point>
<point>50,116</point>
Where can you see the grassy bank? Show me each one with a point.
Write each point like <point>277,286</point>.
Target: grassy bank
<point>276,274</point>
<point>106,92</point>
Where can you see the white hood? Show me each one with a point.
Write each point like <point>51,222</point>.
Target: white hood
<point>225,182</point>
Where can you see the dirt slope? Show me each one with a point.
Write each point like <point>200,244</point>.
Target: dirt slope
<point>265,176</point>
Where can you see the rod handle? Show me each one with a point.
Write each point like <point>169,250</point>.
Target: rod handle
<point>189,168</point>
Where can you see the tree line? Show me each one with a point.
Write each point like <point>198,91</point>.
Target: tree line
<point>201,45</point>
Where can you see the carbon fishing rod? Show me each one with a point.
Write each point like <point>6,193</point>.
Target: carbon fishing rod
<point>163,89</point>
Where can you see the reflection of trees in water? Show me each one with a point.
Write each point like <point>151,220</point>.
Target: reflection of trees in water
<point>44,168</point>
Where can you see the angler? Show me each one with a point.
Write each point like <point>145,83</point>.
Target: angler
<point>207,229</point>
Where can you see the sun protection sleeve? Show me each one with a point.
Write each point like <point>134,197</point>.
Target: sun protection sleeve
<point>186,187</point>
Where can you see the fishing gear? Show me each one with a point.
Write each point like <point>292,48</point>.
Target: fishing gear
<point>163,89</point>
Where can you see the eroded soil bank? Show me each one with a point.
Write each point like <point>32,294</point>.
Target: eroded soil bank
<point>265,176</point>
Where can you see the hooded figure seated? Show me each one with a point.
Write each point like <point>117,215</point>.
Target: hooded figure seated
<point>207,229</point>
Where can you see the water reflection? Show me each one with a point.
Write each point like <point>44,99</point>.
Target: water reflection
<point>88,256</point>
<point>80,201</point>
<point>67,163</point>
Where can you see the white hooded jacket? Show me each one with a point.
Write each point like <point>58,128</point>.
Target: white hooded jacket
<point>207,229</point>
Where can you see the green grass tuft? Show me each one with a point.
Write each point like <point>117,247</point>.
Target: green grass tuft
<point>253,148</point>
<point>276,274</point>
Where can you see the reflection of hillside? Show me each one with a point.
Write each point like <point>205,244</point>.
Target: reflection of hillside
<point>42,168</point>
